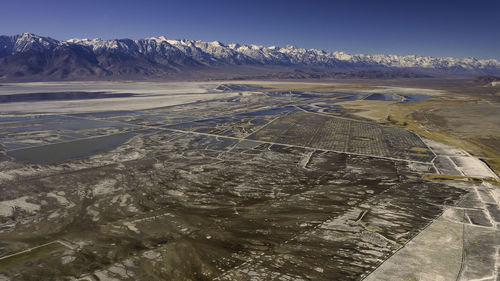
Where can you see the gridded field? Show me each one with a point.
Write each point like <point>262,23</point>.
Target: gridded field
<point>343,135</point>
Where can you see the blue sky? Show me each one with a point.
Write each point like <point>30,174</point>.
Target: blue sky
<point>435,28</point>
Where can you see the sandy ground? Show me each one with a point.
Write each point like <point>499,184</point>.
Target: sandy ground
<point>463,162</point>
<point>150,95</point>
<point>460,245</point>
<point>140,87</point>
<point>7,207</point>
<point>112,87</point>
<point>453,247</point>
<point>109,104</point>
<point>422,258</point>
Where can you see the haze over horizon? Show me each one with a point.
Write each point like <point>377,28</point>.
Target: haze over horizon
<point>428,28</point>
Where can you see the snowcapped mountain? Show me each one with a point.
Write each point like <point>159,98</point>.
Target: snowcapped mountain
<point>28,55</point>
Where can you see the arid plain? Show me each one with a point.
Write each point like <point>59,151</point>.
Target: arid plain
<point>250,180</point>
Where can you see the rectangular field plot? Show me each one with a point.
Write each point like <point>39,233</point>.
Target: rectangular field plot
<point>344,135</point>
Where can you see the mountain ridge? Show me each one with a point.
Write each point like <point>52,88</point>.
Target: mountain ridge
<point>29,56</point>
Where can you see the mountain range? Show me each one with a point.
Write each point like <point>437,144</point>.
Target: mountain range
<point>29,57</point>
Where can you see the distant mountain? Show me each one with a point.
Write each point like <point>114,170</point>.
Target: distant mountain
<point>32,57</point>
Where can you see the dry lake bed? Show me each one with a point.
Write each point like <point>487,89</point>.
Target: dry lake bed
<point>243,181</point>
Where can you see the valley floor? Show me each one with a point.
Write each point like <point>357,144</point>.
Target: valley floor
<point>248,181</point>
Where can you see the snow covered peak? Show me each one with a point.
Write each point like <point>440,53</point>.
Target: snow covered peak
<point>28,41</point>
<point>199,52</point>
<point>84,41</point>
<point>216,44</point>
<point>159,39</point>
